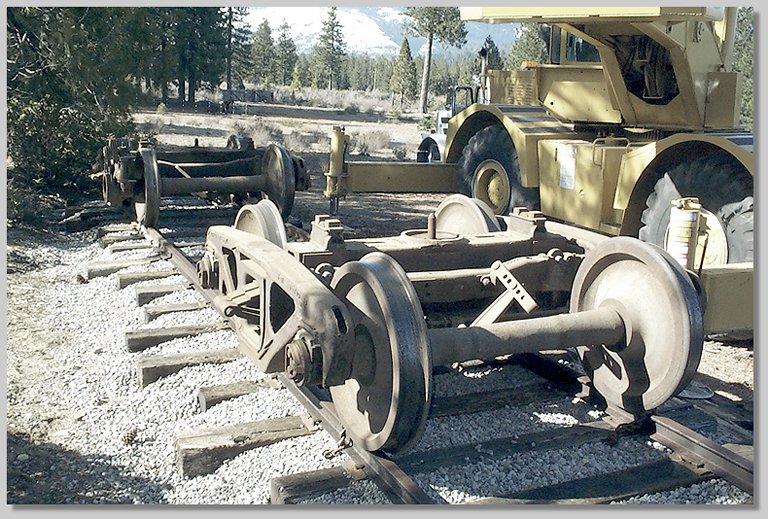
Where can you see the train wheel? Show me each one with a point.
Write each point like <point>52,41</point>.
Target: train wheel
<point>147,203</point>
<point>459,214</point>
<point>384,403</point>
<point>727,204</point>
<point>490,171</point>
<point>661,312</point>
<point>277,165</point>
<point>262,219</point>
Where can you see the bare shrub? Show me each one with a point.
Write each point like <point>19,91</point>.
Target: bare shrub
<point>350,101</point>
<point>261,132</point>
<point>366,143</point>
<point>399,152</point>
<point>296,141</point>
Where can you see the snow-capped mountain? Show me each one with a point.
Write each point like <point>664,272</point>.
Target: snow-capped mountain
<point>367,29</point>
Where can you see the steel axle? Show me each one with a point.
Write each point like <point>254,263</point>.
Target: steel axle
<point>603,326</point>
<point>144,175</point>
<point>352,315</point>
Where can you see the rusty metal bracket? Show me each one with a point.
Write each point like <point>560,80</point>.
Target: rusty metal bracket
<point>514,292</point>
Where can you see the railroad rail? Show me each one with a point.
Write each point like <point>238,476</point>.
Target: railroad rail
<point>541,333</point>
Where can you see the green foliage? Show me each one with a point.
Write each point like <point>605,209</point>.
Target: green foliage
<point>427,122</point>
<point>743,62</point>
<point>53,145</point>
<point>242,39</point>
<point>67,90</point>
<point>495,61</point>
<point>327,56</point>
<point>263,54</point>
<point>528,45</point>
<point>301,76</point>
<point>441,24</point>
<point>285,55</point>
<point>199,41</point>
<point>403,80</point>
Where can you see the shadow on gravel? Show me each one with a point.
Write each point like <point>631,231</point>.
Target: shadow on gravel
<point>46,474</point>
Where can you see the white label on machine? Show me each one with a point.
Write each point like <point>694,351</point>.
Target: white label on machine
<point>567,159</point>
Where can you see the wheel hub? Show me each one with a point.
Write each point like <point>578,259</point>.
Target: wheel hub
<point>490,184</point>
<point>659,306</point>
<point>384,403</point>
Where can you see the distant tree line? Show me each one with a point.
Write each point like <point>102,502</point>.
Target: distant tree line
<point>75,73</point>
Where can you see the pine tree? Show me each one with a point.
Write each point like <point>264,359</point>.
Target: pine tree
<point>200,42</point>
<point>242,41</point>
<point>403,80</point>
<point>528,45</point>
<point>443,24</point>
<point>329,51</point>
<point>301,77</point>
<point>743,62</point>
<point>263,54</point>
<point>285,55</point>
<point>495,61</point>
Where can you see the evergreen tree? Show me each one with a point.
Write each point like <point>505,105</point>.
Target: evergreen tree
<point>200,41</point>
<point>359,71</point>
<point>403,80</point>
<point>70,82</point>
<point>443,24</point>
<point>329,51</point>
<point>495,61</point>
<point>285,55</point>
<point>301,76</point>
<point>528,45</point>
<point>743,62</point>
<point>382,72</point>
<point>242,41</point>
<point>263,54</point>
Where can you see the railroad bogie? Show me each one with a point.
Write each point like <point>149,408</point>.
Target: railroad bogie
<point>140,174</point>
<point>505,285</point>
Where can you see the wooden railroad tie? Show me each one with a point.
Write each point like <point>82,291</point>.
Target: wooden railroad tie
<point>129,246</point>
<point>209,396</point>
<point>153,311</point>
<point>114,228</point>
<point>141,339</point>
<point>291,489</point>
<point>146,294</point>
<point>128,278</point>
<point>154,367</point>
<point>650,478</point>
<point>202,452</point>
<point>109,239</point>
<point>105,268</point>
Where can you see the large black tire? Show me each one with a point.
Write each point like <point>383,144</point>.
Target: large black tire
<point>428,151</point>
<point>488,155</point>
<point>723,188</point>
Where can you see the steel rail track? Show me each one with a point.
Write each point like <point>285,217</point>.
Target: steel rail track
<point>691,447</point>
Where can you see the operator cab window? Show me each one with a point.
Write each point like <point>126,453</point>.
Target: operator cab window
<point>579,50</point>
